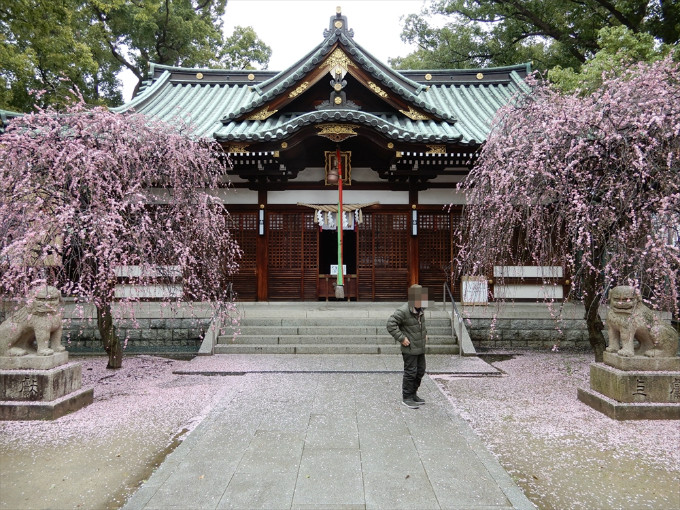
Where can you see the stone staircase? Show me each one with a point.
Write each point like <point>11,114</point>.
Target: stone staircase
<point>326,328</point>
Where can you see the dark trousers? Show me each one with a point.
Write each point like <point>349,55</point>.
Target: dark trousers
<point>414,370</point>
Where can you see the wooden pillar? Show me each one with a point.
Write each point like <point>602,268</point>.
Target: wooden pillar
<point>262,253</point>
<point>414,261</point>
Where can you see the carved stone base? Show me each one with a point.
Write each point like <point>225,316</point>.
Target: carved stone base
<point>634,388</point>
<point>22,410</point>
<point>628,411</point>
<point>42,394</point>
<point>33,361</point>
<point>642,363</point>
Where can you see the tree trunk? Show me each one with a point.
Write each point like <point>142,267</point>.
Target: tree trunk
<point>592,316</point>
<point>109,336</point>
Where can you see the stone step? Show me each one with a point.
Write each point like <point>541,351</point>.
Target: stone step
<point>295,330</point>
<point>322,339</point>
<point>331,321</point>
<point>331,330</point>
<point>325,349</point>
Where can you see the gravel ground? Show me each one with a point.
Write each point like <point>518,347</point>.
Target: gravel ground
<point>95,458</point>
<point>562,453</point>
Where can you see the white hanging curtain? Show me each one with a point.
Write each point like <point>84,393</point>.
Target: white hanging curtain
<point>330,220</point>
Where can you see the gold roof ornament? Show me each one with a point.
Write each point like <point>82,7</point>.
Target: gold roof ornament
<point>238,148</point>
<point>480,76</point>
<point>338,59</point>
<point>414,115</point>
<point>436,149</point>
<point>428,76</point>
<point>299,89</point>
<point>337,132</point>
<point>199,76</point>
<point>262,114</point>
<point>377,89</point>
<point>251,76</point>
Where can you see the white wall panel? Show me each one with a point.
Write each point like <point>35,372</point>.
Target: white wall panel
<point>528,292</point>
<point>330,196</point>
<point>441,197</point>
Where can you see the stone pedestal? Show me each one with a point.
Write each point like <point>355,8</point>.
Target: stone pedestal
<point>41,387</point>
<point>634,388</point>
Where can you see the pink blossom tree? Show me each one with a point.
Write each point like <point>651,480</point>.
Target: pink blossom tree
<point>85,192</point>
<point>590,182</point>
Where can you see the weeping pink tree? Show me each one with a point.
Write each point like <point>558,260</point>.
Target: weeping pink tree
<point>588,182</point>
<point>85,192</point>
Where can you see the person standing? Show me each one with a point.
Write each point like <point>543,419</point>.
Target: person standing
<point>407,326</point>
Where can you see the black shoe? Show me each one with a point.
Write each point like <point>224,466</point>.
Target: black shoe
<point>412,404</point>
<point>417,399</point>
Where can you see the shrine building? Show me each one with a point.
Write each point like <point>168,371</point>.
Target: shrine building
<point>405,139</point>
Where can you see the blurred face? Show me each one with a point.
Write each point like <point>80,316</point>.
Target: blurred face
<point>418,297</point>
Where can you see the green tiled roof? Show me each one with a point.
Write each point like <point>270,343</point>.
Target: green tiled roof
<point>462,103</point>
<point>5,116</point>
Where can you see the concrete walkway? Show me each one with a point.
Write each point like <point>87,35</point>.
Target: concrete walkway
<point>329,431</point>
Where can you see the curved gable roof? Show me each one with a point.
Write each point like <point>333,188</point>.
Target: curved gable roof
<point>339,38</point>
<point>219,103</point>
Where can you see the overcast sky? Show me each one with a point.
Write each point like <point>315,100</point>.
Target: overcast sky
<point>293,27</point>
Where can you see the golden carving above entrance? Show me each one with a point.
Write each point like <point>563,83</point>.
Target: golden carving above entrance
<point>337,132</point>
<point>237,148</point>
<point>436,149</point>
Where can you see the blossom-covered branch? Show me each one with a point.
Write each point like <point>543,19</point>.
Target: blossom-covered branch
<point>590,183</point>
<point>85,192</point>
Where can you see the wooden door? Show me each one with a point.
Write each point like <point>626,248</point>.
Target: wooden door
<point>243,228</point>
<point>292,256</point>
<point>382,267</point>
<point>436,251</point>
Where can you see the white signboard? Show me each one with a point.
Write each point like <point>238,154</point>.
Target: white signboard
<point>475,290</point>
<point>334,269</point>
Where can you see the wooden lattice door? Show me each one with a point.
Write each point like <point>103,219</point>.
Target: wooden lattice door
<point>292,256</point>
<point>243,228</point>
<point>383,257</point>
<point>435,252</point>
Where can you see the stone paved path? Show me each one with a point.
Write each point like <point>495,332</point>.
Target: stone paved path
<point>333,436</point>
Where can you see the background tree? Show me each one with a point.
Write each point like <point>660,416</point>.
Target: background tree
<point>242,49</point>
<point>505,32</point>
<point>90,41</point>
<point>48,45</point>
<point>619,48</point>
<point>590,183</point>
<point>93,191</point>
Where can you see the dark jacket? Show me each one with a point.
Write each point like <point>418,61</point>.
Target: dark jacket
<point>407,323</point>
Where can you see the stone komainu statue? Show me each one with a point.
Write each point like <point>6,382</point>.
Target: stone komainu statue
<point>39,321</point>
<point>630,319</point>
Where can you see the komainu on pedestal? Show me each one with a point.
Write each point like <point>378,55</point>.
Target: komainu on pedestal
<point>629,320</point>
<point>636,382</point>
<point>39,323</point>
<point>37,382</point>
